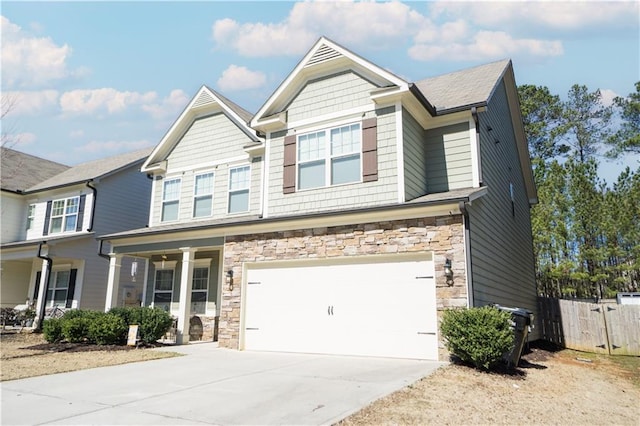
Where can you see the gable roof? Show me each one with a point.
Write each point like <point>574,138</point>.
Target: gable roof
<point>19,171</point>
<point>205,102</point>
<point>92,170</point>
<point>324,56</point>
<point>463,89</point>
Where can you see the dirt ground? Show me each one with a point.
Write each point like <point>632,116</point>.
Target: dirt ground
<point>549,387</point>
<point>41,358</point>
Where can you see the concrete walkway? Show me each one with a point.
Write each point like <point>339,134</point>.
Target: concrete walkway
<point>210,385</point>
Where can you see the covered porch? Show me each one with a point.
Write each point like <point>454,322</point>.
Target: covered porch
<point>183,278</point>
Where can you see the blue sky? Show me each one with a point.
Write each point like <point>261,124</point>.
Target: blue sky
<point>93,79</point>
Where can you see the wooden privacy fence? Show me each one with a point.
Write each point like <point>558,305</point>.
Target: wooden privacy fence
<point>605,328</point>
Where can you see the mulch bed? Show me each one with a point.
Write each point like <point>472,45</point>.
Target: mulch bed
<point>87,347</point>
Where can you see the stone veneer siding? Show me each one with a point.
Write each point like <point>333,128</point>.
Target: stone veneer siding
<point>444,236</point>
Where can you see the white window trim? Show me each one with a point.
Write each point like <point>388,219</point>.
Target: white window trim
<point>202,264</point>
<point>167,265</point>
<point>248,189</point>
<point>328,157</point>
<point>164,182</point>
<point>52,285</point>
<point>193,199</point>
<point>31,216</point>
<point>64,215</point>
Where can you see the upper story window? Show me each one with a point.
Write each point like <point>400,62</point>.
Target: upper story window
<point>31,215</point>
<point>203,195</point>
<point>239,181</point>
<point>335,161</point>
<point>170,199</point>
<point>64,215</point>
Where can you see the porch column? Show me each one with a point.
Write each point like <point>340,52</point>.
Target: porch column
<point>42,292</point>
<point>186,283</point>
<point>113,282</point>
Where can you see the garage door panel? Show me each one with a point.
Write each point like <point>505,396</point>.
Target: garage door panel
<point>368,309</point>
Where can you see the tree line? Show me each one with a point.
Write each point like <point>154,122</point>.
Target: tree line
<point>586,232</point>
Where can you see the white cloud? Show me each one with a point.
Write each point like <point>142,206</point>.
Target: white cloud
<point>361,24</point>
<point>606,96</point>
<point>26,138</point>
<point>29,61</point>
<point>169,107</point>
<point>486,45</point>
<point>76,133</point>
<point>107,99</point>
<point>111,147</point>
<point>240,78</point>
<point>28,103</point>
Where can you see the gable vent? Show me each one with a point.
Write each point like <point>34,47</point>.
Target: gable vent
<point>204,99</point>
<point>323,54</point>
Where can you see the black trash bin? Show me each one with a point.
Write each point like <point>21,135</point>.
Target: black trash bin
<point>522,319</point>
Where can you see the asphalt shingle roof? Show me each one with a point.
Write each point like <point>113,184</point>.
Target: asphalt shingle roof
<point>92,170</point>
<point>462,88</point>
<point>19,171</point>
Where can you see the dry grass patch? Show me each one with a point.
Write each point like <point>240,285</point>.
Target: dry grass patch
<point>19,362</point>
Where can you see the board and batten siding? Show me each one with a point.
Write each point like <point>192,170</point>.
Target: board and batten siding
<point>448,158</point>
<point>354,195</point>
<point>330,94</point>
<point>204,148</point>
<point>415,170</point>
<point>500,238</point>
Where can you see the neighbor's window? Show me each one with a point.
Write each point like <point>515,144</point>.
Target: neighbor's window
<point>64,215</point>
<point>57,291</point>
<point>239,179</point>
<point>199,290</point>
<point>341,153</point>
<point>203,195</point>
<point>163,289</point>
<point>170,199</point>
<point>31,215</point>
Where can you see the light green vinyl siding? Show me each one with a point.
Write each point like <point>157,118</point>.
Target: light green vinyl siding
<point>448,158</point>
<point>501,243</point>
<point>330,94</point>
<point>415,169</point>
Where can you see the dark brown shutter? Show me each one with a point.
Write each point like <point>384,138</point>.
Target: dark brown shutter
<point>47,217</point>
<point>80,212</point>
<point>370,149</point>
<point>289,173</point>
<point>35,293</point>
<point>72,287</point>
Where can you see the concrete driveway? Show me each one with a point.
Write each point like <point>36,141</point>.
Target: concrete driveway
<point>210,385</point>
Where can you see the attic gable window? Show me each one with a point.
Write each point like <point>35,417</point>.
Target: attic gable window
<point>64,215</point>
<point>170,199</point>
<point>329,157</point>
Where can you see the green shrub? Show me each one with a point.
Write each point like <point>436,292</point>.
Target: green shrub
<point>107,329</point>
<point>478,335</point>
<point>152,323</point>
<point>52,330</point>
<point>75,329</point>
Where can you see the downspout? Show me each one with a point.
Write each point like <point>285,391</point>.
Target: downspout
<point>46,285</point>
<point>467,250</point>
<point>93,204</point>
<point>101,254</point>
<point>476,120</point>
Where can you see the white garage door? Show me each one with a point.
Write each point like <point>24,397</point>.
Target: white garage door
<point>367,309</point>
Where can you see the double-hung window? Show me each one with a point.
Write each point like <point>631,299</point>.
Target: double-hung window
<point>203,195</point>
<point>57,291</point>
<point>163,287</point>
<point>31,215</point>
<point>335,161</point>
<point>199,290</point>
<point>239,181</point>
<point>64,215</point>
<point>170,199</point>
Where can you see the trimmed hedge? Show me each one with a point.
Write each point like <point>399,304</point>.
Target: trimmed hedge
<point>479,336</point>
<point>110,328</point>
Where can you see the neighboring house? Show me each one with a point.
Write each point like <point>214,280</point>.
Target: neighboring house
<point>51,215</point>
<point>345,215</point>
